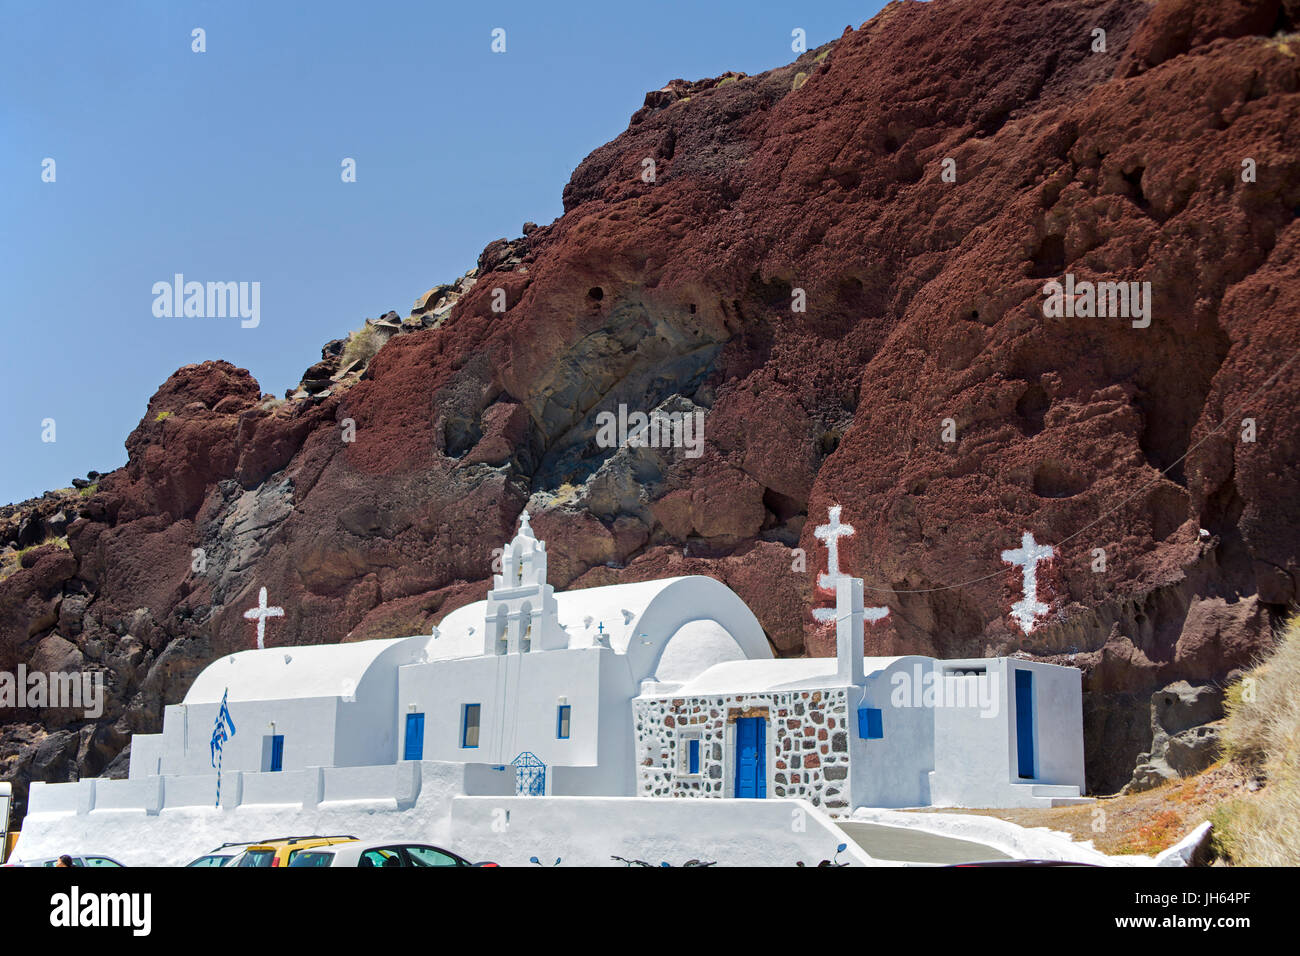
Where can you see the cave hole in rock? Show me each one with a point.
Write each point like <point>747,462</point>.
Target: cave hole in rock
<point>460,435</point>
<point>851,293</point>
<point>595,293</point>
<point>1049,260</point>
<point>1134,181</point>
<point>1032,408</point>
<point>1057,479</point>
<point>781,507</point>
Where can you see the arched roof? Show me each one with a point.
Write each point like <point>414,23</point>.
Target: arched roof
<point>639,619</point>
<point>696,647</point>
<point>314,670</point>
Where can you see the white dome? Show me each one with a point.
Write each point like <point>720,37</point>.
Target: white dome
<point>694,648</point>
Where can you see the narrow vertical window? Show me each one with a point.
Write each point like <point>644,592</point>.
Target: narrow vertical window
<point>469,729</point>
<point>562,721</point>
<point>693,757</point>
<point>273,753</point>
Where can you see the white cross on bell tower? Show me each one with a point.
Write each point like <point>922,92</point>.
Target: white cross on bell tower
<point>521,611</point>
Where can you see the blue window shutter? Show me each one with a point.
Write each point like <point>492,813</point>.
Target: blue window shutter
<point>693,748</point>
<point>277,753</point>
<point>871,725</point>
<point>414,737</point>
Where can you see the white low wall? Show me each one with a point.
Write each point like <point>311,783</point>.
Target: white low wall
<point>587,831</point>
<point>1026,843</point>
<point>583,831</point>
<point>171,820</point>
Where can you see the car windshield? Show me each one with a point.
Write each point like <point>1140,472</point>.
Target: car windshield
<point>256,858</point>
<point>311,858</point>
<point>212,859</point>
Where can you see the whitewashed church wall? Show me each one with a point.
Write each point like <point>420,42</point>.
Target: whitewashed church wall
<point>519,696</point>
<point>973,758</point>
<point>808,736</point>
<point>1058,701</point>
<point>894,769</point>
<point>307,726</point>
<point>976,762</point>
<point>146,754</point>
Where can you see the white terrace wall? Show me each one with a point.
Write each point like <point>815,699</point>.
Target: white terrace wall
<point>171,820</point>
<point>588,831</point>
<point>808,736</point>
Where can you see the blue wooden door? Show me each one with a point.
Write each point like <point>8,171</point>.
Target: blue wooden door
<point>277,753</point>
<point>414,737</point>
<point>1025,723</point>
<point>751,757</point>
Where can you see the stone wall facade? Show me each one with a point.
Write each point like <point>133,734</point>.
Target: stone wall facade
<point>807,744</point>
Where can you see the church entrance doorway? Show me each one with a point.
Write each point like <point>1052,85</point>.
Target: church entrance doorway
<point>751,757</point>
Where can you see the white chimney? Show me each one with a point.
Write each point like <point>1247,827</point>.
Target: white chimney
<point>848,630</point>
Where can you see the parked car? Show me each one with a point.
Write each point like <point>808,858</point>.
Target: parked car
<point>84,859</point>
<point>381,853</point>
<point>281,852</point>
<point>223,854</point>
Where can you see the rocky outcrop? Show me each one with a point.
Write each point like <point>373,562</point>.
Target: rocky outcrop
<point>1185,726</point>
<point>841,264</point>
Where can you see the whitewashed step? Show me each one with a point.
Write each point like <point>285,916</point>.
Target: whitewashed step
<point>1053,794</point>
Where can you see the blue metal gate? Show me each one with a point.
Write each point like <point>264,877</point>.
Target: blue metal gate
<point>530,775</point>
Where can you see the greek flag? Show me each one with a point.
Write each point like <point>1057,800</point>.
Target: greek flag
<point>219,734</point>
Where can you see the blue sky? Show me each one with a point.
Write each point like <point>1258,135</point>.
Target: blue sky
<point>225,166</point>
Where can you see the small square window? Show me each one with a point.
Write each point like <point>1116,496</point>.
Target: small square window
<point>562,721</point>
<point>871,725</point>
<point>469,729</point>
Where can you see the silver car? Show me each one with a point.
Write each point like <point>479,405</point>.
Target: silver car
<point>380,853</point>
<point>84,859</point>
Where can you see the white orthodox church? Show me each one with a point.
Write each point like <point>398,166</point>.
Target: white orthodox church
<point>658,689</point>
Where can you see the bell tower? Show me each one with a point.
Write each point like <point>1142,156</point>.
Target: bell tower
<point>521,611</point>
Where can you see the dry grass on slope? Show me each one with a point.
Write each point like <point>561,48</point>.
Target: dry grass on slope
<point>1262,736</point>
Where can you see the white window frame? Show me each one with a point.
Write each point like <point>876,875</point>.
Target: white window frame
<point>684,736</point>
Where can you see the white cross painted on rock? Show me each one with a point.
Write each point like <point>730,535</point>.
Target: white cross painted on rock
<point>1027,556</point>
<point>260,614</point>
<point>831,533</point>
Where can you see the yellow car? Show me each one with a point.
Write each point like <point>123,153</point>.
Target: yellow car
<point>281,852</point>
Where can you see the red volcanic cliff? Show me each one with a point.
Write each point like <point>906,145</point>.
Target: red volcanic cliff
<point>368,502</point>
